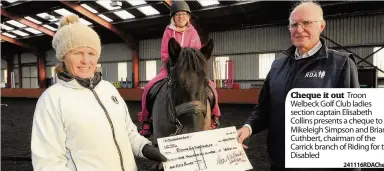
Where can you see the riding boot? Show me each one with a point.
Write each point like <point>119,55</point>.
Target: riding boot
<point>145,129</point>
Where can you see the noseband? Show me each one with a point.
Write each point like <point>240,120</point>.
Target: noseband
<point>195,106</point>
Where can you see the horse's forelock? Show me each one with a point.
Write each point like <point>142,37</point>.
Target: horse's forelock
<point>189,71</point>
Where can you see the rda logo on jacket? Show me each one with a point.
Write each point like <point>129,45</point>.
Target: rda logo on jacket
<point>315,74</point>
<point>115,99</point>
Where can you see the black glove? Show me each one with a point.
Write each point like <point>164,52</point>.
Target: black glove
<point>153,153</point>
<point>157,167</point>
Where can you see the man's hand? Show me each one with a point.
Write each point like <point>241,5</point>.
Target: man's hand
<point>242,134</point>
<point>153,153</point>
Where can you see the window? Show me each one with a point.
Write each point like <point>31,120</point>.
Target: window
<point>29,77</point>
<point>48,17</point>
<point>378,60</point>
<point>3,26</point>
<point>206,3</point>
<point>32,19</point>
<point>15,23</point>
<point>122,71</point>
<point>4,75</point>
<point>150,70</point>
<point>50,71</point>
<point>49,27</point>
<point>219,67</point>
<point>63,12</point>
<point>20,33</point>
<point>9,35</point>
<point>124,14</point>
<point>265,62</point>
<point>34,31</point>
<point>147,10</point>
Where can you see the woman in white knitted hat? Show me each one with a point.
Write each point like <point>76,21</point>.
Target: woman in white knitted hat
<point>82,123</point>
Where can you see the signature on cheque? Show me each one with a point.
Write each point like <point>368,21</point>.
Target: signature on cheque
<point>233,158</point>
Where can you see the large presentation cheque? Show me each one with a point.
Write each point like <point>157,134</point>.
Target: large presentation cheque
<point>207,150</point>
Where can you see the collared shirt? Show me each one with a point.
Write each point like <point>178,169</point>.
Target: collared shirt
<point>309,53</point>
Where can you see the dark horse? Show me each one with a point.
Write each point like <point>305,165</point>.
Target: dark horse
<point>182,103</point>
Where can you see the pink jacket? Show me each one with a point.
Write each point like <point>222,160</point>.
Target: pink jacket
<point>188,38</point>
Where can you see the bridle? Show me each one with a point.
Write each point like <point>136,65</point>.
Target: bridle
<point>196,106</point>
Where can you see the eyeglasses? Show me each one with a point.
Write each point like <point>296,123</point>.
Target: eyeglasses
<point>181,14</point>
<point>303,24</point>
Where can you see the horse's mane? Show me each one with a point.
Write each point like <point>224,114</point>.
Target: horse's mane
<point>189,70</point>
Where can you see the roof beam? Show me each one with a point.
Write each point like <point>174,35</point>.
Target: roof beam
<point>106,12</point>
<point>26,22</point>
<point>18,43</point>
<point>198,10</point>
<point>131,41</point>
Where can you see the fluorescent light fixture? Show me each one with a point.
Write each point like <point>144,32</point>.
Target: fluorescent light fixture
<point>85,22</point>
<point>136,2</point>
<point>3,26</point>
<point>18,32</point>
<point>107,4</point>
<point>49,27</point>
<point>205,3</point>
<point>148,10</point>
<point>89,8</point>
<point>15,23</point>
<point>63,12</point>
<point>105,18</point>
<point>32,19</point>
<point>9,35</point>
<point>46,16</point>
<point>94,11</point>
<point>34,31</point>
<point>11,1</point>
<point>124,14</point>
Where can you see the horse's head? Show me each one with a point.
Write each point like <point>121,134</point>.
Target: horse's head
<point>188,84</point>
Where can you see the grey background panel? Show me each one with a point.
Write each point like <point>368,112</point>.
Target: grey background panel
<point>115,52</point>
<point>3,64</point>
<point>110,72</point>
<point>51,57</point>
<point>150,49</point>
<point>358,30</point>
<point>350,31</point>
<point>28,58</point>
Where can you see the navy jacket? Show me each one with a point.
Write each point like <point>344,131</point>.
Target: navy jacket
<point>325,69</point>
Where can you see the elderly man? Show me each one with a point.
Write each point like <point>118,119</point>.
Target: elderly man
<point>309,54</point>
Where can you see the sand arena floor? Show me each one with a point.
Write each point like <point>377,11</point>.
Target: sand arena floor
<point>16,125</point>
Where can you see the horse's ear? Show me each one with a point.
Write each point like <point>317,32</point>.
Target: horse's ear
<point>174,49</point>
<point>207,49</point>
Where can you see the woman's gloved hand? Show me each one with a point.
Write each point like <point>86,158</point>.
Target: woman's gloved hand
<point>153,153</point>
<point>157,167</point>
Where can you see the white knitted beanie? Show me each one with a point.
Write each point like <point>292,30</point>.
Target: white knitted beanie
<point>72,34</point>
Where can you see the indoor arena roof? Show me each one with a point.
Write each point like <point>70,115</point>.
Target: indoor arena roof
<point>139,19</point>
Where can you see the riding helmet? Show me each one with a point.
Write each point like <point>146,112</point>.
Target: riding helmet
<point>179,6</point>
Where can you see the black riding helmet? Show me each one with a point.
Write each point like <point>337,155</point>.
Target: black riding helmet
<point>179,6</point>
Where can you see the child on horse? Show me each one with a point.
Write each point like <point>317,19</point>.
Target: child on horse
<point>182,30</point>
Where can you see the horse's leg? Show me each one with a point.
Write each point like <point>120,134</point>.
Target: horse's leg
<point>207,119</point>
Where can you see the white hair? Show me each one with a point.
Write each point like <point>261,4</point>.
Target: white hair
<point>317,5</point>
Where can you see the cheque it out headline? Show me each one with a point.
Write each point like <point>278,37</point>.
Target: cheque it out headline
<point>311,96</point>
